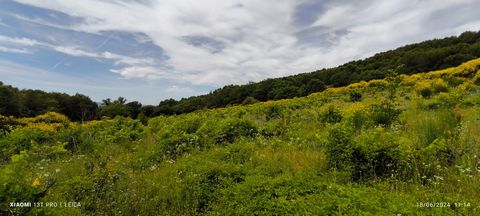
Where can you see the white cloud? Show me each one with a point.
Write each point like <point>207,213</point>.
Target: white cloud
<point>178,89</point>
<point>14,50</point>
<point>139,72</point>
<point>73,51</point>
<point>130,67</point>
<point>18,41</point>
<point>260,38</point>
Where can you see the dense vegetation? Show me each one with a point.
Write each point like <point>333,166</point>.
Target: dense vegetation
<point>28,103</point>
<point>379,147</point>
<point>425,56</point>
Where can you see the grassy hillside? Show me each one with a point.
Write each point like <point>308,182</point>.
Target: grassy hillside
<point>381,147</point>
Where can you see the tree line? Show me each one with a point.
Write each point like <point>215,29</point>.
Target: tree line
<point>420,57</point>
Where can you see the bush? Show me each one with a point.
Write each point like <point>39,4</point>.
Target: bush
<point>427,88</point>
<point>331,115</point>
<point>384,114</point>
<point>359,120</point>
<point>339,147</point>
<point>424,89</point>
<point>355,96</point>
<point>179,144</point>
<point>20,140</point>
<point>249,100</point>
<point>231,129</point>
<point>7,124</point>
<point>49,118</point>
<point>120,129</point>
<point>439,85</point>
<point>377,154</point>
<point>273,111</point>
<point>271,129</point>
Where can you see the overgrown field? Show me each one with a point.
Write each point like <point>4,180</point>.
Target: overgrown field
<point>383,147</point>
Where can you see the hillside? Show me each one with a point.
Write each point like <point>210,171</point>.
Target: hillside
<point>425,56</point>
<point>383,147</point>
<point>414,58</point>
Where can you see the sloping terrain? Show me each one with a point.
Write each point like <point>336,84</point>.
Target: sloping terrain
<point>407,144</point>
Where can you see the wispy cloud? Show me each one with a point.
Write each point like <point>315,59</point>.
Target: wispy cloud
<point>14,50</point>
<point>176,89</point>
<point>219,42</point>
<point>77,52</point>
<point>130,67</point>
<point>19,41</point>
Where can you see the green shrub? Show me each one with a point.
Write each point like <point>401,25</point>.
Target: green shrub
<point>359,120</point>
<point>231,129</point>
<point>120,129</point>
<point>7,124</point>
<point>272,129</point>
<point>249,100</point>
<point>384,114</point>
<point>425,92</point>
<point>339,147</point>
<point>377,154</point>
<point>179,144</point>
<point>331,115</point>
<point>17,184</point>
<point>355,96</point>
<point>20,140</point>
<point>273,111</point>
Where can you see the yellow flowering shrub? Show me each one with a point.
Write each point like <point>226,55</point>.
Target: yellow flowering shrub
<point>49,117</point>
<point>439,85</point>
<point>424,88</point>
<point>427,88</point>
<point>337,90</point>
<point>377,83</point>
<point>41,126</point>
<point>353,107</point>
<point>359,85</point>
<point>466,69</point>
<point>48,122</point>
<point>408,80</point>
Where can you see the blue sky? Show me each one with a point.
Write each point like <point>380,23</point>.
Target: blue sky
<point>149,50</point>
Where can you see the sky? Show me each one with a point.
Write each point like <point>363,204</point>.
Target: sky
<point>151,50</point>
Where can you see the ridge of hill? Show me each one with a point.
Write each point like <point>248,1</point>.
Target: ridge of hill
<point>406,144</point>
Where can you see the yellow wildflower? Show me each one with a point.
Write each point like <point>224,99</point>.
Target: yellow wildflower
<point>36,182</point>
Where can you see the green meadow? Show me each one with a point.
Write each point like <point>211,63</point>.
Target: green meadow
<point>403,145</point>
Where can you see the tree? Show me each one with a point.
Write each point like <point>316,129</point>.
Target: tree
<point>314,85</point>
<point>120,100</point>
<point>9,101</point>
<point>134,108</point>
<point>81,108</point>
<point>166,107</point>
